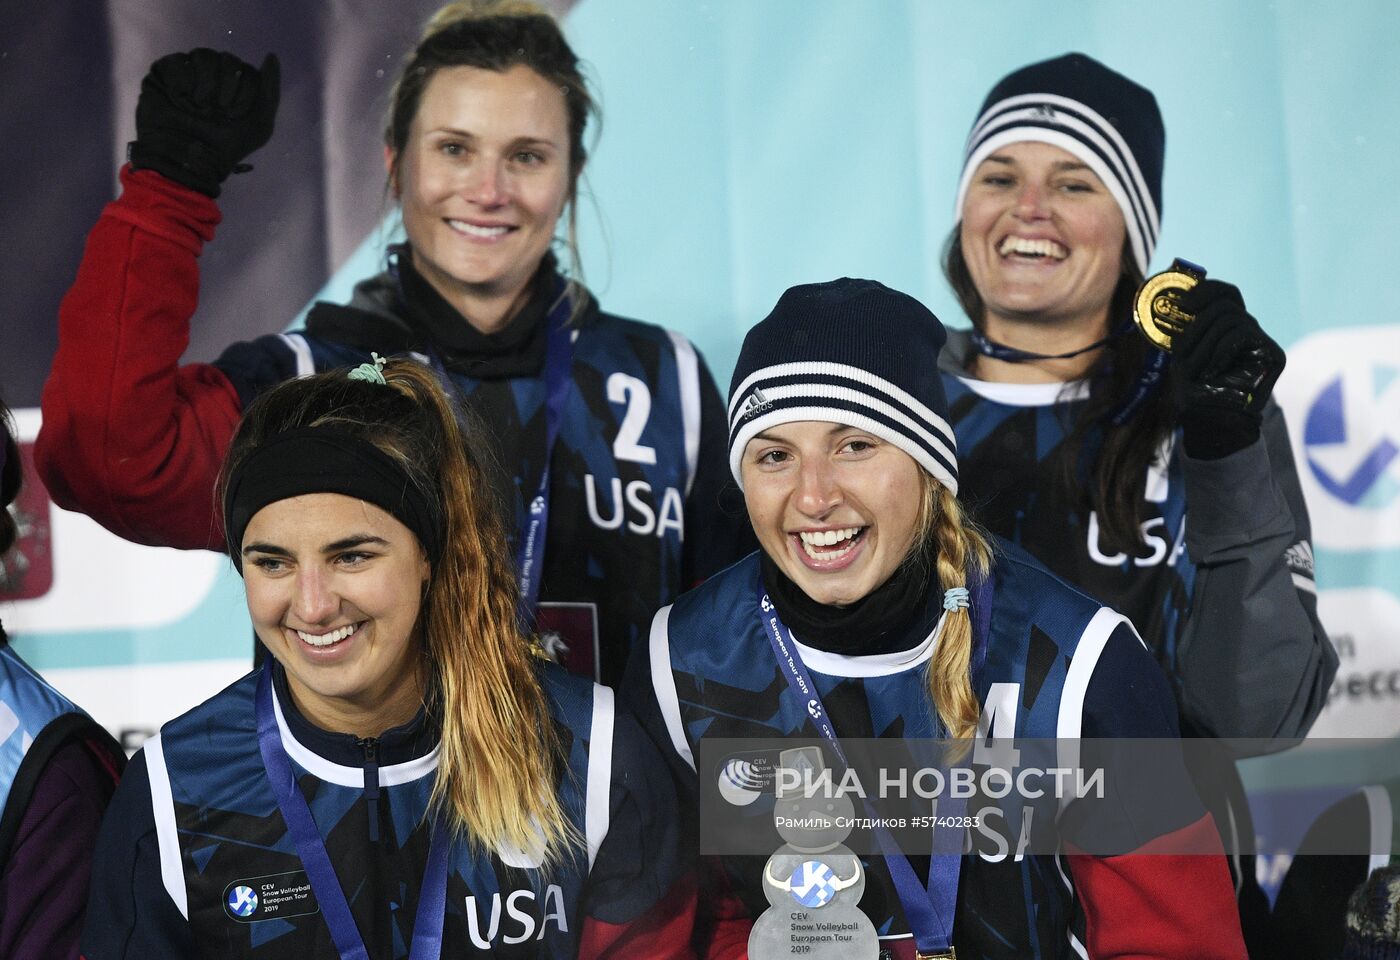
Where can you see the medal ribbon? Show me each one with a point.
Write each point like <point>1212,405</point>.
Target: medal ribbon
<point>1154,366</point>
<point>1148,378</point>
<point>534,524</point>
<point>532,527</point>
<point>928,908</point>
<point>432,895</point>
<point>1000,351</point>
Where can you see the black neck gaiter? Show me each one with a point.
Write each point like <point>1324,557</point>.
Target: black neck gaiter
<point>517,350</point>
<point>894,616</point>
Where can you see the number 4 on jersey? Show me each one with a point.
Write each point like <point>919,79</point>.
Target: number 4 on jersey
<point>996,728</point>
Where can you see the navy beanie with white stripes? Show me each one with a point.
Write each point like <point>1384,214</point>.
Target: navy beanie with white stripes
<point>1106,120</point>
<point>853,352</point>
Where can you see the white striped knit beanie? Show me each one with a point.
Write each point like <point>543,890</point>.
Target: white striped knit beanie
<point>853,352</point>
<point>1106,120</point>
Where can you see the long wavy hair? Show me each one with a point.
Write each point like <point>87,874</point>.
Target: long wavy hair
<point>500,755</point>
<point>1104,465</point>
<point>497,35</point>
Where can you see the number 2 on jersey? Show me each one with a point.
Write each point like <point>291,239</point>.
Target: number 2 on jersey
<point>633,392</point>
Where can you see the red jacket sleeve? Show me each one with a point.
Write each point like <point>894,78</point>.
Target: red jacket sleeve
<point>662,933</point>
<point>723,923</point>
<point>1154,904</point>
<point>130,437</point>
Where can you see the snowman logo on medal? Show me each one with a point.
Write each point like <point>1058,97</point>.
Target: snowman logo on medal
<point>813,882</point>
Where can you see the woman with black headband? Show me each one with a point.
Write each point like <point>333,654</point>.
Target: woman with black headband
<point>875,610</point>
<point>1089,446</point>
<point>404,777</point>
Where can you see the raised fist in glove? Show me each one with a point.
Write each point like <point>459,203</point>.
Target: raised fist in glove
<point>200,113</point>
<point>1223,370</point>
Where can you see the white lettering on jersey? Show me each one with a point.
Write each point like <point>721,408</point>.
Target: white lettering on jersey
<point>640,508</point>
<point>1179,547</point>
<point>636,506</point>
<point>990,822</point>
<point>633,392</point>
<point>1154,534</point>
<point>492,928</point>
<point>522,908</point>
<point>526,921</point>
<point>1158,481</point>
<point>672,514</point>
<point>590,492</point>
<point>998,724</point>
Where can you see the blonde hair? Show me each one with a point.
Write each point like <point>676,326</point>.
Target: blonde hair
<point>960,550</point>
<point>496,783</point>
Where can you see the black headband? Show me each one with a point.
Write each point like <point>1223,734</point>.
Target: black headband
<point>325,460</point>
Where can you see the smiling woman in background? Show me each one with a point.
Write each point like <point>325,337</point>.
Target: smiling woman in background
<point>402,774</point>
<point>607,432</point>
<point>1079,442</point>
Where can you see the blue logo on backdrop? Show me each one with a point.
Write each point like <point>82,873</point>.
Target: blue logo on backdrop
<point>242,901</point>
<point>1361,476</point>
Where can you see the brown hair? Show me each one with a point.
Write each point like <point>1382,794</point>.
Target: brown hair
<point>1113,460</point>
<point>497,35</point>
<point>496,777</point>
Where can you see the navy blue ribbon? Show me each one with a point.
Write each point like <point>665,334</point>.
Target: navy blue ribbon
<point>1000,351</point>
<point>432,895</point>
<point>1154,367</point>
<point>928,908</point>
<point>1148,379</point>
<point>532,527</point>
<point>534,523</point>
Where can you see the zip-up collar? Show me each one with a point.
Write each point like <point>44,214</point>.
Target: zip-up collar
<point>400,754</point>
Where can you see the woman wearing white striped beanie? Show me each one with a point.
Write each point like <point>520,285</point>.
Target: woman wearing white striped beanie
<point>1088,445</point>
<point>875,609</point>
<point>1103,119</point>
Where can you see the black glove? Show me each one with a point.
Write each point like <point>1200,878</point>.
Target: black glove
<point>200,113</point>
<point>1223,370</point>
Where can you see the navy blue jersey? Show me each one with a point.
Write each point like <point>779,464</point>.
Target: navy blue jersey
<point>196,860</point>
<point>1009,460</point>
<point>1057,665</point>
<point>636,474</point>
<point>1225,601</point>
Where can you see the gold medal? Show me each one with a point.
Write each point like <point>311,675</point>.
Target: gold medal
<point>1156,311</point>
<point>949,954</point>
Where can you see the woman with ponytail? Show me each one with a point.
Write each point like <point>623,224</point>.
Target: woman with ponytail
<point>404,777</point>
<point>606,432</point>
<point>875,609</point>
